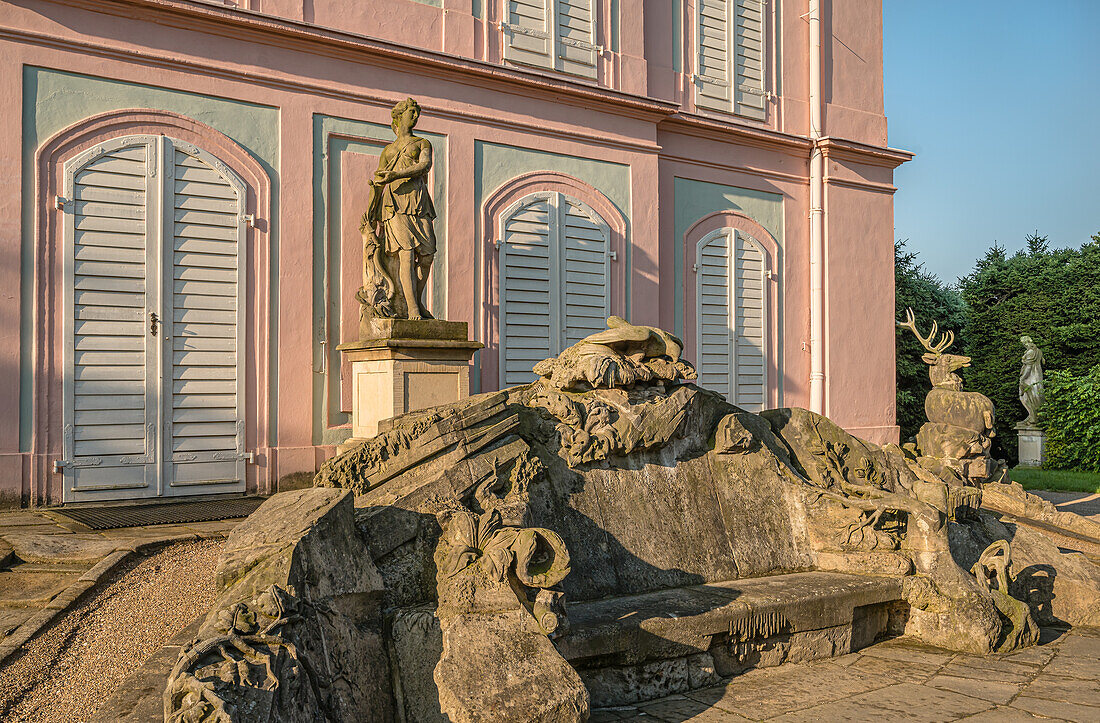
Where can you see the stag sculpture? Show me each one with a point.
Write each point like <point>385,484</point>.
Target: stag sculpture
<point>960,424</point>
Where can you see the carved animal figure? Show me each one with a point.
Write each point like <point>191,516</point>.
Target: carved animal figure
<point>950,441</point>
<point>970,410</point>
<point>941,367</point>
<point>947,403</point>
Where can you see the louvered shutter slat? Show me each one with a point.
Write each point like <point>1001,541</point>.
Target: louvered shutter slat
<point>585,245</point>
<point>525,291</point>
<point>748,60</point>
<point>204,387</point>
<point>712,71</point>
<point>554,281</point>
<point>575,37</point>
<point>730,57</point>
<point>750,325</point>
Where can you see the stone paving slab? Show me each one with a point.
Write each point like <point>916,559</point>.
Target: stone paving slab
<point>18,589</point>
<point>75,547</point>
<point>903,680</point>
<point>12,618</point>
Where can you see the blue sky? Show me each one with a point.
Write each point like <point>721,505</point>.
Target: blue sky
<point>1001,103</point>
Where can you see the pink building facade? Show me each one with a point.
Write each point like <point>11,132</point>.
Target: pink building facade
<point>184,182</point>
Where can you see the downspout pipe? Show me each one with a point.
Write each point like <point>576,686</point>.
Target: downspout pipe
<point>817,220</point>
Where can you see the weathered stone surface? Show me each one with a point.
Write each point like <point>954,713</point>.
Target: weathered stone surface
<point>1059,587</point>
<point>295,633</point>
<point>700,538</point>
<point>418,646</point>
<point>496,610</point>
<point>75,548</point>
<point>623,356</point>
<point>435,329</point>
<point>960,424</point>
<point>501,667</point>
<point>1012,499</point>
<point>20,588</point>
<point>398,236</point>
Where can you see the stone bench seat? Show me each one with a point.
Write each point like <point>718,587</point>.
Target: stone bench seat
<point>686,637</point>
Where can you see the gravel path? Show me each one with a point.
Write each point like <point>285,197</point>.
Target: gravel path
<point>65,673</point>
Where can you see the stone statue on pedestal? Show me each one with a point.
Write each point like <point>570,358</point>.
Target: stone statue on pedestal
<point>1031,379</point>
<point>404,359</point>
<point>398,236</point>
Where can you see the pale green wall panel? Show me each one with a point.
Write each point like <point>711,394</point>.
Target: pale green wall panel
<point>496,164</point>
<point>332,136</point>
<point>54,100</point>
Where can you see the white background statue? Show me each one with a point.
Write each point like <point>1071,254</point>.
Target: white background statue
<point>1031,379</point>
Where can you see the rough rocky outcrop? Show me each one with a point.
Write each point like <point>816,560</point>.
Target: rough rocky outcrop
<point>657,488</point>
<point>296,631</point>
<point>606,534</point>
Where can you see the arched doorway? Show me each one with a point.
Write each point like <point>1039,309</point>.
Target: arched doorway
<point>153,326</point>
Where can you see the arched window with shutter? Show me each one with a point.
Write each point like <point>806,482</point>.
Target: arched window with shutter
<point>554,280</point>
<point>154,290</point>
<point>731,317</point>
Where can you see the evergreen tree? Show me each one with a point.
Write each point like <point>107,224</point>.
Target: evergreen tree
<point>1053,296</point>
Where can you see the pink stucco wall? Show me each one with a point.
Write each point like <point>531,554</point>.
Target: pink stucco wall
<point>309,58</point>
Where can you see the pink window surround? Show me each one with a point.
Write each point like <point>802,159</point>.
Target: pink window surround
<point>489,40</point>
<point>47,352</point>
<point>739,222</point>
<point>499,201</point>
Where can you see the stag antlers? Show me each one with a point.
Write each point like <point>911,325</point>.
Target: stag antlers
<point>945,341</point>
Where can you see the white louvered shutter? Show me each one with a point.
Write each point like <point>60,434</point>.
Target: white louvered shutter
<point>206,392</point>
<point>714,352</point>
<point>731,311</point>
<point>110,428</point>
<point>528,32</point>
<point>555,281</point>
<point>153,282</point>
<point>712,73</point>
<point>585,260</point>
<point>749,325</point>
<point>526,292</point>
<point>575,37</point>
<point>730,56</point>
<point>748,58</point>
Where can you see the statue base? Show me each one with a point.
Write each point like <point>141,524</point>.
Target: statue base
<point>1032,445</point>
<point>401,365</point>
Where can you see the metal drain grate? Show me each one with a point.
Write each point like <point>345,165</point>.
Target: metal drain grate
<point>161,513</point>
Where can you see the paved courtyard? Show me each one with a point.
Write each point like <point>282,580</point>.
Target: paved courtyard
<point>1079,503</point>
<point>900,680</point>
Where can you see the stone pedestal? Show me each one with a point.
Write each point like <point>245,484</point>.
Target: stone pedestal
<point>400,366</point>
<point>1032,445</point>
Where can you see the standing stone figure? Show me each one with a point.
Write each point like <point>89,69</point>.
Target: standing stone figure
<point>398,235</point>
<point>1031,379</point>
